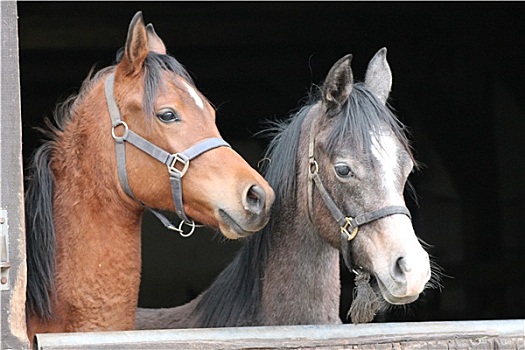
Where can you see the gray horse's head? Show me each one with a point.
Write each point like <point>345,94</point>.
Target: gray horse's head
<point>364,160</point>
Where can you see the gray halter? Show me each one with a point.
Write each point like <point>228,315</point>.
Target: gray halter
<point>170,160</point>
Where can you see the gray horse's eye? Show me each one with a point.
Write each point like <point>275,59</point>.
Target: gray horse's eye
<point>343,170</point>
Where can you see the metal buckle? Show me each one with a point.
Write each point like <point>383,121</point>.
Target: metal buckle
<point>344,228</point>
<point>177,157</point>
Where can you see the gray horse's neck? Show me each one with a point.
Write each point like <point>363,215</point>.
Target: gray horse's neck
<point>300,285</point>
<point>301,280</point>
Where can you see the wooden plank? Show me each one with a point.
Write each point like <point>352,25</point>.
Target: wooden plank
<point>499,334</point>
<point>12,297</point>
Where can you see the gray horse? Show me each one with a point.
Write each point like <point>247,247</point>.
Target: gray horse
<point>339,168</point>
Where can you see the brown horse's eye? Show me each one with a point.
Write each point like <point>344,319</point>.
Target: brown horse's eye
<point>168,116</point>
<point>343,170</point>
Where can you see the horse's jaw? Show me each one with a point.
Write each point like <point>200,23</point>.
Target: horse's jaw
<point>395,300</point>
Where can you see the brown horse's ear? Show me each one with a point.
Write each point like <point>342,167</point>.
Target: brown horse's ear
<point>137,47</point>
<point>378,77</point>
<point>338,84</point>
<point>155,43</point>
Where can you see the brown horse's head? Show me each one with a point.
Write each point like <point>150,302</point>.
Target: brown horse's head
<point>158,100</point>
<point>364,160</point>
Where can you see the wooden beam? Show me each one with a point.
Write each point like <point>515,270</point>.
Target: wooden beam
<point>507,334</point>
<point>12,234</point>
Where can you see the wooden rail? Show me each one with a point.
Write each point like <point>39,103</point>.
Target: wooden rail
<point>499,334</point>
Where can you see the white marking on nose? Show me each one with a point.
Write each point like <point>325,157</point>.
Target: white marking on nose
<point>194,95</point>
<point>384,149</point>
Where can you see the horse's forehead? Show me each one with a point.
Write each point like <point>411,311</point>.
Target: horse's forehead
<point>388,154</point>
<point>385,149</point>
<point>190,94</point>
<point>194,95</point>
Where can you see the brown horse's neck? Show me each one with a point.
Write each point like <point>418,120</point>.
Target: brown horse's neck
<point>97,232</point>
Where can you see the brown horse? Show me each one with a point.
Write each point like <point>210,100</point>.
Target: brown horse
<point>339,168</point>
<point>94,177</point>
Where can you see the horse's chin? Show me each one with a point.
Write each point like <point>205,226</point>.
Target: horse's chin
<point>395,300</point>
<point>230,228</point>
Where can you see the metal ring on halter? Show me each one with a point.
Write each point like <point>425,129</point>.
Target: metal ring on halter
<point>314,167</point>
<point>344,229</point>
<point>124,135</point>
<point>358,271</point>
<point>181,231</point>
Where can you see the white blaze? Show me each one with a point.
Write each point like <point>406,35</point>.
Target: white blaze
<point>384,149</point>
<point>399,233</point>
<point>194,95</point>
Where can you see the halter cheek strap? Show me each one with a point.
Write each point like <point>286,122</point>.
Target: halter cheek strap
<point>177,163</point>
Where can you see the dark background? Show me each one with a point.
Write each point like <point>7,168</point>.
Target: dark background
<point>459,78</point>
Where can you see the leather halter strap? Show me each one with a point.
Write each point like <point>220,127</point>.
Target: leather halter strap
<point>181,159</point>
<point>349,225</point>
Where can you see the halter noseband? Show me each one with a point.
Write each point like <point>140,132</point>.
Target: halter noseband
<point>170,160</point>
<point>349,226</point>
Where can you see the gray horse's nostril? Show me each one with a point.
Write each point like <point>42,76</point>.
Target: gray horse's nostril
<point>402,267</point>
<point>255,200</point>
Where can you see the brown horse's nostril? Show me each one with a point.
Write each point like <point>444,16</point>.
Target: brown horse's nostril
<point>255,200</point>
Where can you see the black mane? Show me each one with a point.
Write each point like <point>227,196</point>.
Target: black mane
<point>237,291</point>
<point>236,294</point>
<point>40,229</point>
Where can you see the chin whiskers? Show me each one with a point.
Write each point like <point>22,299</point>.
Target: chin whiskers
<point>424,244</point>
<point>217,235</point>
<point>437,273</point>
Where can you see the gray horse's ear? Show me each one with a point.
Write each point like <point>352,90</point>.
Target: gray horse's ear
<point>338,84</point>
<point>155,42</point>
<point>378,76</point>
